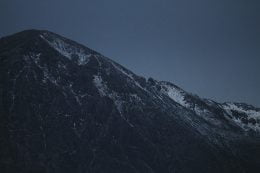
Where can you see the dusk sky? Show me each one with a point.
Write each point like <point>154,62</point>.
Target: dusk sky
<point>208,47</point>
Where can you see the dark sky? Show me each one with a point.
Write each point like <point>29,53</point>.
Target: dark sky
<point>208,47</point>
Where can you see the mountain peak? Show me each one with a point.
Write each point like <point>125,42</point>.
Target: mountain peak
<point>64,103</point>
<point>32,41</point>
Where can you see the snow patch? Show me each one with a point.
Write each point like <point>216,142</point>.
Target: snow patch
<point>102,88</point>
<point>234,107</point>
<point>105,91</point>
<point>175,94</point>
<point>68,50</point>
<point>243,122</point>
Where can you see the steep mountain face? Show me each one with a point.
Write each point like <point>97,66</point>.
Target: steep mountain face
<point>66,108</point>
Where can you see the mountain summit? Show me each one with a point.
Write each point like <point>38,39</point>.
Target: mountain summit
<point>67,108</point>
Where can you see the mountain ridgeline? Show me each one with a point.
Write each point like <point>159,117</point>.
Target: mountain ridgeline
<point>65,108</point>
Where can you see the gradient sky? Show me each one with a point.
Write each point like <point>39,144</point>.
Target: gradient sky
<point>208,47</point>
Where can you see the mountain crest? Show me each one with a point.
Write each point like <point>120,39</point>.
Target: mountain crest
<point>64,102</point>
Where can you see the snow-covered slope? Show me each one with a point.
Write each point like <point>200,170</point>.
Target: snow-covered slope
<point>67,48</point>
<point>242,115</point>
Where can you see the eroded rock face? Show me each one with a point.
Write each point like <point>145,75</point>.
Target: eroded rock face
<point>66,108</point>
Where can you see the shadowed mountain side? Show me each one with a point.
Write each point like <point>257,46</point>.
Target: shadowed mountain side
<point>66,108</point>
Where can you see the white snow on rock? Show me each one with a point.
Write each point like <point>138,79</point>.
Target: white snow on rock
<point>175,94</point>
<point>67,50</point>
<point>252,115</point>
<point>46,73</point>
<point>178,95</point>
<point>105,91</point>
<point>102,88</point>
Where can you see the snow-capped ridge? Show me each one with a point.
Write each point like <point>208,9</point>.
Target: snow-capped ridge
<point>174,92</point>
<point>70,51</point>
<point>243,115</point>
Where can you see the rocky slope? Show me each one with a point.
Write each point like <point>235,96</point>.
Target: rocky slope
<point>66,108</point>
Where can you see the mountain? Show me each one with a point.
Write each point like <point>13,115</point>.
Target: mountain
<point>67,108</point>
